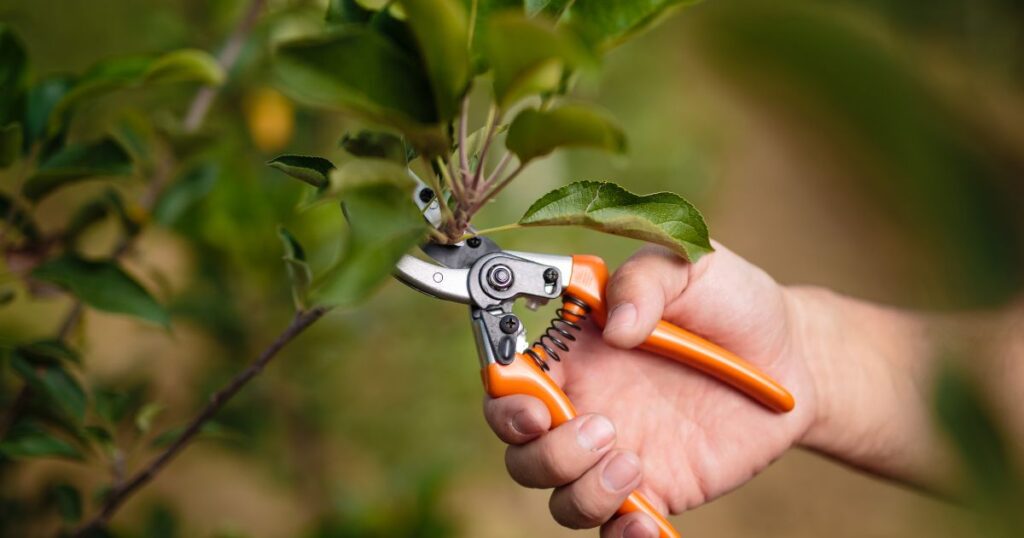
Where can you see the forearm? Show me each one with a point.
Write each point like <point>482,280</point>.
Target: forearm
<point>873,369</point>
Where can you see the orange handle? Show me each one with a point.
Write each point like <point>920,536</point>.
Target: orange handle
<point>523,376</point>
<point>587,283</point>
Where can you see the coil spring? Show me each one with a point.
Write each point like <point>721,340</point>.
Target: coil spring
<point>559,333</point>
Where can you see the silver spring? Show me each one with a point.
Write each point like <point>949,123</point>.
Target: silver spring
<point>559,333</point>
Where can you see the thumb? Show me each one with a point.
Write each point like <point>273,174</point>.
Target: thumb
<point>637,294</point>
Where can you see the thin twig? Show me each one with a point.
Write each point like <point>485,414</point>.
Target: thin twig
<point>496,229</point>
<point>473,10</point>
<point>494,192</point>
<point>493,118</point>
<point>435,185</point>
<point>227,58</point>
<point>463,158</point>
<point>21,400</point>
<point>498,169</point>
<point>19,404</point>
<point>70,320</point>
<point>300,323</point>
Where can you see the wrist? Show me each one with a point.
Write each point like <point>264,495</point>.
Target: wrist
<point>871,377</point>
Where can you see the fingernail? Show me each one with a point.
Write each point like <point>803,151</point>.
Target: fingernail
<point>621,471</point>
<point>524,424</point>
<point>596,433</point>
<point>621,317</point>
<point>637,529</point>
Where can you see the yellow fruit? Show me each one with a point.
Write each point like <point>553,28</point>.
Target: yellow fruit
<point>271,119</point>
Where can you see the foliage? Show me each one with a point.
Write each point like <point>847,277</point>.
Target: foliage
<point>662,218</point>
<point>409,68</point>
<point>367,64</point>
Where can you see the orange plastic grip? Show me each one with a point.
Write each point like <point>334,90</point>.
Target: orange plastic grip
<point>587,283</point>
<point>523,376</point>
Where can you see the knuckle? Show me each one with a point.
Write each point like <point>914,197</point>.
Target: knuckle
<point>514,467</point>
<point>571,511</point>
<point>552,464</point>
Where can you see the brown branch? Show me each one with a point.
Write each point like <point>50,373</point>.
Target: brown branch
<point>300,323</point>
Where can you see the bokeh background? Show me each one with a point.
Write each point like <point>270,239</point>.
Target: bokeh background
<point>873,147</point>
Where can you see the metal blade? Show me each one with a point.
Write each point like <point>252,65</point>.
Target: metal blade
<point>462,255</point>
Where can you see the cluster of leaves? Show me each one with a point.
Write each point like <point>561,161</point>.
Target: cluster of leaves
<point>45,152</point>
<point>410,67</point>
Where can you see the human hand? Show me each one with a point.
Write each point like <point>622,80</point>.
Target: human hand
<point>646,422</point>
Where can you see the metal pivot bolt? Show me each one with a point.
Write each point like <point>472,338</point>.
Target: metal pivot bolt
<point>473,242</point>
<point>500,277</point>
<point>509,324</point>
<point>551,275</point>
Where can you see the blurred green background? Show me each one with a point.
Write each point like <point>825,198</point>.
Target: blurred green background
<point>876,148</point>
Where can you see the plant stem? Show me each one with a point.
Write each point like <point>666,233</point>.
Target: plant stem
<point>463,158</point>
<point>485,231</point>
<point>300,323</point>
<point>492,122</point>
<point>448,180</point>
<point>494,192</point>
<point>446,213</point>
<point>473,9</point>
<point>498,168</point>
<point>227,57</point>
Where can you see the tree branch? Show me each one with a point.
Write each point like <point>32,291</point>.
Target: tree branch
<point>227,58</point>
<point>300,323</point>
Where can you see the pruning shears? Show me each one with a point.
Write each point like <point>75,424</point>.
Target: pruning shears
<point>478,273</point>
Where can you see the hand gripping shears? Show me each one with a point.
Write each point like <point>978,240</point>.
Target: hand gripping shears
<point>480,274</point>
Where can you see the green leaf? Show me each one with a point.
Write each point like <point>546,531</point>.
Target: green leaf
<point>75,163</point>
<point>383,225</point>
<point>137,135</point>
<point>607,24</point>
<point>68,501</point>
<point>114,404</point>
<point>13,75</point>
<point>12,214</point>
<point>10,144</point>
<point>185,192</point>
<point>359,173</point>
<point>299,273</point>
<point>663,218</point>
<point>7,295</point>
<point>312,170</point>
<point>102,285</point>
<point>49,351</point>
<point>41,100</point>
<point>145,417</point>
<point>347,12</point>
<point>550,8</point>
<point>101,437</point>
<point>31,441</point>
<point>440,27</point>
<point>362,72</point>
<point>536,133</point>
<point>95,211</point>
<point>529,57</point>
<point>55,382</point>
<point>376,144</point>
<point>185,65</point>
